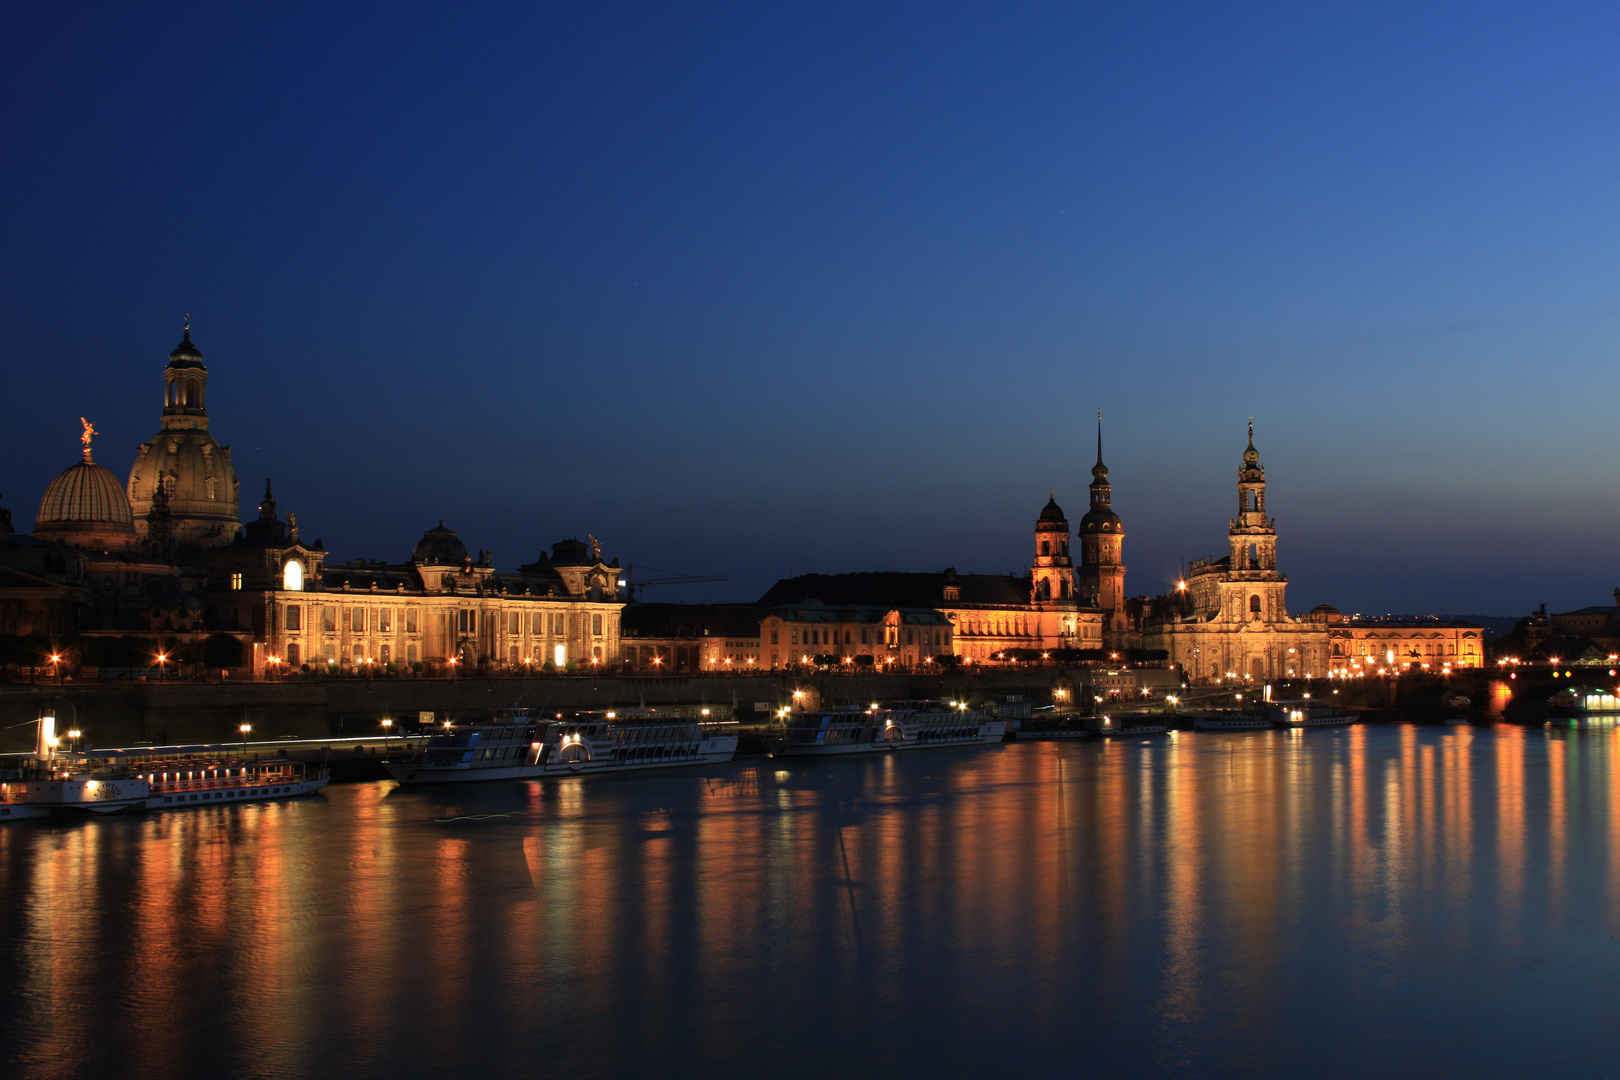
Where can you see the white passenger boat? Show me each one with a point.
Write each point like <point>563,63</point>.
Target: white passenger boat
<point>215,773</point>
<point>904,725</point>
<point>521,744</point>
<point>52,782</point>
<point>1232,720</point>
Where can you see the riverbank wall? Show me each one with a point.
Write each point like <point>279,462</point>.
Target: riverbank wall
<point>122,714</point>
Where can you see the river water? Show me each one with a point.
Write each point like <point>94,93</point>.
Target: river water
<point>1371,901</point>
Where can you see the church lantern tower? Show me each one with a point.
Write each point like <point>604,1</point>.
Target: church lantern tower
<point>1052,575</point>
<point>184,464</point>
<point>1102,551</point>
<point>1053,594</point>
<point>1252,535</point>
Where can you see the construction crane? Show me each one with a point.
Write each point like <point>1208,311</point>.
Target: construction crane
<point>631,584</point>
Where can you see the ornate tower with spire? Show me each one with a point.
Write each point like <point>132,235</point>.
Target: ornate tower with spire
<point>1102,550</point>
<point>185,462</point>
<point>1236,624</point>
<point>1252,535</point>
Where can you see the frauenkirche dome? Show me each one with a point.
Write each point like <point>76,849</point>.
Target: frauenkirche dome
<point>185,461</point>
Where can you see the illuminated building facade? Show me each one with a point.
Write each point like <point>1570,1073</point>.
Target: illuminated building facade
<point>444,607</point>
<point>1369,646</point>
<point>1231,620</point>
<point>986,616</point>
<point>690,637</point>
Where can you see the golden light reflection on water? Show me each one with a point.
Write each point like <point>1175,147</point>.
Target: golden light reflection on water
<point>1165,889</point>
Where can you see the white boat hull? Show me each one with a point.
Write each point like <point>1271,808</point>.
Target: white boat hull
<point>29,799</point>
<point>215,797</point>
<point>413,773</point>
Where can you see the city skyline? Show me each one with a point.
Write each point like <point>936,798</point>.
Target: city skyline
<point>766,294</point>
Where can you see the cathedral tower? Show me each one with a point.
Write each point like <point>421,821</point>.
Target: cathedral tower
<point>185,462</point>
<point>1102,550</point>
<point>1253,536</point>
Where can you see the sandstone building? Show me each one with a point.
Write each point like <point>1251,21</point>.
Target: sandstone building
<point>1231,620</point>
<point>182,487</point>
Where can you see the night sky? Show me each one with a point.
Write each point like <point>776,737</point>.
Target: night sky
<point>750,291</point>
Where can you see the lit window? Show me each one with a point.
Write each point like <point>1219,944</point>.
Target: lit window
<point>236,579</point>
<point>292,576</point>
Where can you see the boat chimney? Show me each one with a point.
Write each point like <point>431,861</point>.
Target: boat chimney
<point>46,748</point>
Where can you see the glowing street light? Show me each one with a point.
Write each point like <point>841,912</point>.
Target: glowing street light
<point>387,726</point>
<point>244,729</point>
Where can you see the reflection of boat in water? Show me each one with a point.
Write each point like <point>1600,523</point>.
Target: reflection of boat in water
<point>905,725</point>
<point>519,744</point>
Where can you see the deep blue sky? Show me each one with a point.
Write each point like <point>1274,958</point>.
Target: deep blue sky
<point>745,290</point>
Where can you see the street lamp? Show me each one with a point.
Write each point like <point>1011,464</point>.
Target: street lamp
<point>160,659</point>
<point>244,729</point>
<point>387,726</point>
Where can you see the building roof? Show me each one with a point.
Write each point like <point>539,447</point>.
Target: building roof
<point>691,620</point>
<point>1569,649</point>
<point>186,355</point>
<point>896,589</point>
<point>441,546</point>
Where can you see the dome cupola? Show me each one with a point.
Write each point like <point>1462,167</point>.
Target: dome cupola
<point>185,462</point>
<point>85,506</point>
<point>440,546</point>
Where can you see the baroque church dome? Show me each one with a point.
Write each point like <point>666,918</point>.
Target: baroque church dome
<point>85,506</point>
<point>185,461</point>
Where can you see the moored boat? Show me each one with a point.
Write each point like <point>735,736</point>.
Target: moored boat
<point>215,774</point>
<point>523,744</point>
<point>1306,713</point>
<point>1134,724</point>
<point>1231,720</point>
<point>903,725</point>
<point>52,782</point>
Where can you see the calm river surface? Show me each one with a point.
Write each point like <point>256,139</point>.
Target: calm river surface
<point>1373,901</point>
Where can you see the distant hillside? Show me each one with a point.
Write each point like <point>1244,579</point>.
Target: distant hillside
<point>1495,625</point>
